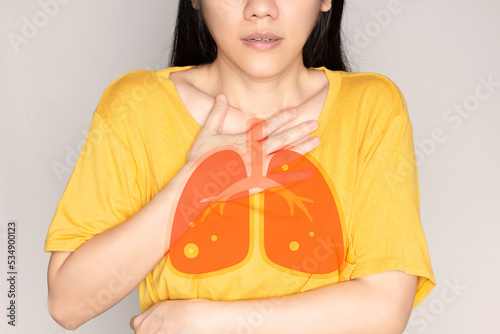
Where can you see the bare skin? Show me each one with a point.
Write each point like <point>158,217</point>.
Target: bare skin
<point>195,87</point>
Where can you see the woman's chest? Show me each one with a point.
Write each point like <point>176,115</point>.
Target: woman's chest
<point>241,249</point>
<point>199,105</point>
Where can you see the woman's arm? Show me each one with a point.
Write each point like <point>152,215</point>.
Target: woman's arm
<point>378,303</point>
<point>102,271</point>
<point>105,269</point>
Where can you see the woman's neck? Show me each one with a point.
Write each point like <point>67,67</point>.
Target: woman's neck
<point>259,96</point>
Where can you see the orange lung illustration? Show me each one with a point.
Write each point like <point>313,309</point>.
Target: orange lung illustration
<point>219,238</point>
<point>211,225</point>
<point>302,229</point>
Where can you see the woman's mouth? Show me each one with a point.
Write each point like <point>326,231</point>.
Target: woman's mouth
<point>262,40</point>
<point>262,43</point>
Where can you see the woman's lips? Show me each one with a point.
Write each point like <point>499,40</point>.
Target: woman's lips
<point>262,45</point>
<point>262,40</point>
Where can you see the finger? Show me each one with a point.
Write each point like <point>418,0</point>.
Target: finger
<point>295,159</point>
<point>217,114</point>
<point>278,121</point>
<point>292,136</point>
<point>305,146</point>
<point>296,171</point>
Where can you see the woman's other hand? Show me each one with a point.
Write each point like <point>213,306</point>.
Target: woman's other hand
<point>172,317</point>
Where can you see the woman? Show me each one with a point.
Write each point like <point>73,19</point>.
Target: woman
<point>269,270</point>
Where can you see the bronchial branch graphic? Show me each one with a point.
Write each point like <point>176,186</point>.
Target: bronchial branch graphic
<point>257,178</point>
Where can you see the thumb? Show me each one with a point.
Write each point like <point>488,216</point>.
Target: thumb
<point>217,114</point>
<point>132,322</point>
<point>135,322</point>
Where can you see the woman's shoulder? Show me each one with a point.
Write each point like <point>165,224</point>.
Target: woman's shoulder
<point>370,81</point>
<point>371,88</point>
<point>132,80</point>
<point>181,73</point>
<point>140,81</point>
<point>130,93</point>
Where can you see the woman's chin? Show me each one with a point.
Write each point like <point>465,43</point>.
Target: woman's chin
<point>262,69</point>
<point>259,66</point>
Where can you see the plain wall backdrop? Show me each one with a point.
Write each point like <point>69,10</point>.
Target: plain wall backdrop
<point>442,54</point>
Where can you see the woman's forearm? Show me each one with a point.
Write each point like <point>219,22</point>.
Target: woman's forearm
<point>106,268</point>
<point>350,307</point>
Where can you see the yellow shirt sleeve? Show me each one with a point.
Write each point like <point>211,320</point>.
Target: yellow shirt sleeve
<point>103,190</point>
<point>386,230</point>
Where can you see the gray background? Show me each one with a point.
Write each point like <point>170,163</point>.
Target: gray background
<point>435,51</point>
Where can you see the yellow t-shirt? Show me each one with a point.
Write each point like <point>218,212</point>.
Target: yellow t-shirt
<point>369,220</point>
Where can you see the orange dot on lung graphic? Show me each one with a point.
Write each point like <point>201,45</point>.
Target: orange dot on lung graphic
<point>302,227</point>
<point>213,235</point>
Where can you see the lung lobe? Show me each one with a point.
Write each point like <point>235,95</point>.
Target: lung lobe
<point>219,237</point>
<point>302,229</point>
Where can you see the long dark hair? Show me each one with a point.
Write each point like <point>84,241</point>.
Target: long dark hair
<point>193,44</point>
